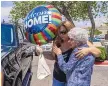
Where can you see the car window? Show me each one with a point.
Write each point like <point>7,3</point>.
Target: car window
<point>7,35</point>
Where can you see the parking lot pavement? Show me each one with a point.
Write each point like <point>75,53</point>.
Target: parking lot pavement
<point>99,77</point>
<point>45,82</point>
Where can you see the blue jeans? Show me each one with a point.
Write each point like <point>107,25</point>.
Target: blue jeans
<point>58,83</point>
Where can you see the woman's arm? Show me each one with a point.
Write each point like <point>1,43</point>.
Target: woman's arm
<point>92,49</point>
<point>85,51</point>
<point>65,67</point>
<point>53,54</point>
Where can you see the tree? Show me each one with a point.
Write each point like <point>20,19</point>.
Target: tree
<point>21,8</point>
<point>106,24</point>
<point>92,20</point>
<point>82,10</point>
<point>96,31</point>
<point>72,10</point>
<point>3,21</point>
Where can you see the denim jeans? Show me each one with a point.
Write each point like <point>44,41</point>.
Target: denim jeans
<point>58,83</point>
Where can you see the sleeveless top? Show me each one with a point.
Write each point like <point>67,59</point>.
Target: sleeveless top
<point>58,74</point>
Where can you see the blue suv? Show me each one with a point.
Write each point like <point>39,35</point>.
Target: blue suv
<point>16,56</point>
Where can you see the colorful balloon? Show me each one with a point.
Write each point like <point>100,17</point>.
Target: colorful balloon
<point>41,24</point>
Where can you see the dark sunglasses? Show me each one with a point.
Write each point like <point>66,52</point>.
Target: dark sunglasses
<point>63,32</point>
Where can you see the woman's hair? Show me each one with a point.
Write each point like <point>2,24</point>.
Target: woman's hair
<point>79,35</point>
<point>68,25</point>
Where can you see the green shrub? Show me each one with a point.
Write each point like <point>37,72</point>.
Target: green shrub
<point>97,32</point>
<point>103,54</point>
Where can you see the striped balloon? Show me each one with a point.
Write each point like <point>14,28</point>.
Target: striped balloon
<point>42,33</point>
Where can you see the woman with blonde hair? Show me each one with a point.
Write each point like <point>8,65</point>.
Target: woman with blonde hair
<point>59,77</point>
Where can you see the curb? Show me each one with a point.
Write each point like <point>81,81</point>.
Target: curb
<point>102,63</point>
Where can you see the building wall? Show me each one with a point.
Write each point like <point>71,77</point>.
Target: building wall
<point>103,29</point>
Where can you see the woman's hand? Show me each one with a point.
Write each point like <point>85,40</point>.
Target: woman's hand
<point>82,52</point>
<point>39,50</point>
<point>57,50</point>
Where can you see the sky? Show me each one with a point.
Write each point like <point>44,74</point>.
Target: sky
<point>6,7</point>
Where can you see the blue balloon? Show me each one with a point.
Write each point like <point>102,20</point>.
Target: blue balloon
<point>41,24</point>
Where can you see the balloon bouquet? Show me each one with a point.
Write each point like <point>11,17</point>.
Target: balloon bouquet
<point>41,24</point>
